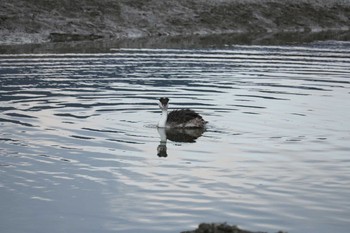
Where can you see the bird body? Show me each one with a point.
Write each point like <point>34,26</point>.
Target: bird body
<point>183,118</point>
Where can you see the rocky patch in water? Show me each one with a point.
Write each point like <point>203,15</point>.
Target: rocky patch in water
<point>219,228</point>
<point>37,21</point>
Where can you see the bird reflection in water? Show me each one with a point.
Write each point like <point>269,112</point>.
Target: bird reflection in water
<point>176,135</point>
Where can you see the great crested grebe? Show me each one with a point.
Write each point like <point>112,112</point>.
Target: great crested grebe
<point>184,118</point>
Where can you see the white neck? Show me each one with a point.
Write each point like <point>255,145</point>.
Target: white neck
<point>163,118</point>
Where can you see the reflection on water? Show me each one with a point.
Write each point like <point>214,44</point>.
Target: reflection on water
<point>176,135</point>
<point>78,140</point>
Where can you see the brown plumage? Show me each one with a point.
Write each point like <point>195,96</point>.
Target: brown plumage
<point>184,118</point>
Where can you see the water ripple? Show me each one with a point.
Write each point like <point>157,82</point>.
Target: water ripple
<point>78,138</point>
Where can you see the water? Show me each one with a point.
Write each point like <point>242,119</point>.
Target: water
<point>78,142</point>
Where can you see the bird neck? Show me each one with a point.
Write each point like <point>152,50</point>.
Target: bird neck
<point>163,118</point>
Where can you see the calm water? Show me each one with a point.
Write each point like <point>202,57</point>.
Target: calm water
<point>78,142</point>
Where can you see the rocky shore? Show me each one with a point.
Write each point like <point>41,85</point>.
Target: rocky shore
<point>38,21</point>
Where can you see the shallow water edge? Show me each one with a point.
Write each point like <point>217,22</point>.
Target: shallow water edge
<point>179,42</point>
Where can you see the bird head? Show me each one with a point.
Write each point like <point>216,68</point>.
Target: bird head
<point>163,103</point>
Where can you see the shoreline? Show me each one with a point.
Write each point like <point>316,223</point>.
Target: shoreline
<point>217,41</point>
<point>37,21</point>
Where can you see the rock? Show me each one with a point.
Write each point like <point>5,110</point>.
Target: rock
<point>66,37</point>
<point>218,228</point>
<point>34,21</point>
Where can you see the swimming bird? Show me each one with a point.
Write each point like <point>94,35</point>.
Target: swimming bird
<point>183,118</point>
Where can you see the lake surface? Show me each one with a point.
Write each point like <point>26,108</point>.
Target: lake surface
<point>79,147</point>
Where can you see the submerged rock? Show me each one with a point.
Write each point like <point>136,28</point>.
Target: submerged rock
<point>218,228</point>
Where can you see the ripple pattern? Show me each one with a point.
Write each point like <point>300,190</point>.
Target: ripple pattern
<point>78,143</point>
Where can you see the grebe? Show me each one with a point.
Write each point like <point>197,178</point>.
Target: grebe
<point>184,118</point>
